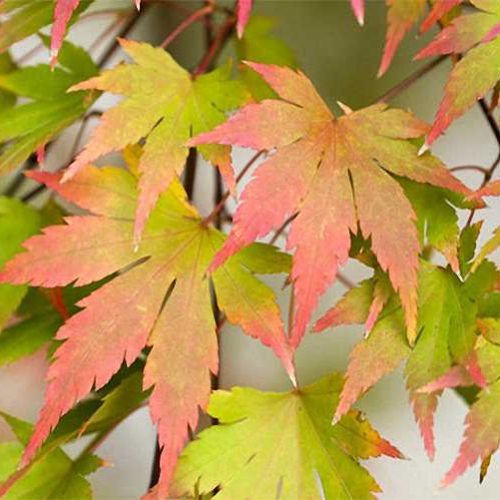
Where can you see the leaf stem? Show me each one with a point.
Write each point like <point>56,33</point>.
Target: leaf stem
<point>410,80</point>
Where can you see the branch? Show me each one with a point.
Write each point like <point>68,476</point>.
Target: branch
<point>410,80</point>
<point>218,43</point>
<point>185,24</point>
<point>213,214</point>
<point>495,128</point>
<point>475,168</point>
<point>123,33</point>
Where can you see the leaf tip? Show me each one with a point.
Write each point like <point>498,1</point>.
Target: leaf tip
<point>424,148</point>
<point>345,108</point>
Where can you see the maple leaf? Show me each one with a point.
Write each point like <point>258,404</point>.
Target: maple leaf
<point>53,476</point>
<point>352,308</point>
<point>7,99</point>
<point>482,434</point>
<point>467,246</point>
<point>479,69</point>
<point>447,324</point>
<point>378,355</point>
<point>244,8</point>
<point>320,155</point>
<point>63,11</point>
<point>437,220</point>
<point>447,320</point>
<point>243,11</point>
<point>401,16</point>
<point>491,189</point>
<point>119,319</point>
<point>28,126</point>
<point>17,223</point>
<point>361,304</point>
<point>258,44</point>
<point>489,317</point>
<point>481,437</point>
<point>182,106</point>
<point>439,9</point>
<point>300,455</point>
<point>489,247</point>
<point>358,7</point>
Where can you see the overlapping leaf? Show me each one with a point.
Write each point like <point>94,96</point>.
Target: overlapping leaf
<point>260,45</point>
<point>476,36</point>
<point>401,16</point>
<point>7,99</point>
<point>56,475</point>
<point>244,8</point>
<point>17,223</point>
<point>447,320</point>
<point>27,18</point>
<point>281,445</point>
<point>63,11</point>
<point>165,104</point>
<point>28,126</point>
<point>130,312</point>
<point>440,9</point>
<point>243,11</point>
<point>447,316</point>
<point>320,156</point>
<point>482,436</point>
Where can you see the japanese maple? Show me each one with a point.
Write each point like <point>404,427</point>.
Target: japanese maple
<point>128,287</point>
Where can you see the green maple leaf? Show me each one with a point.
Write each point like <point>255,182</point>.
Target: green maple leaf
<point>17,222</point>
<point>437,221</point>
<point>7,99</point>
<point>489,317</point>
<point>482,424</point>
<point>447,325</point>
<point>56,475</point>
<point>258,44</point>
<point>281,445</point>
<point>30,125</point>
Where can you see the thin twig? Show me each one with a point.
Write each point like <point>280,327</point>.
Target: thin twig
<point>155,467</point>
<point>410,80</point>
<point>495,128</point>
<point>120,19</point>
<point>476,168</point>
<point>219,41</point>
<point>124,32</point>
<point>345,281</point>
<point>280,230</point>
<point>213,214</point>
<point>291,310</point>
<point>190,172</point>
<point>185,24</point>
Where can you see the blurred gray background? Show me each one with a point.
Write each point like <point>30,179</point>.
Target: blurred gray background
<point>341,59</point>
